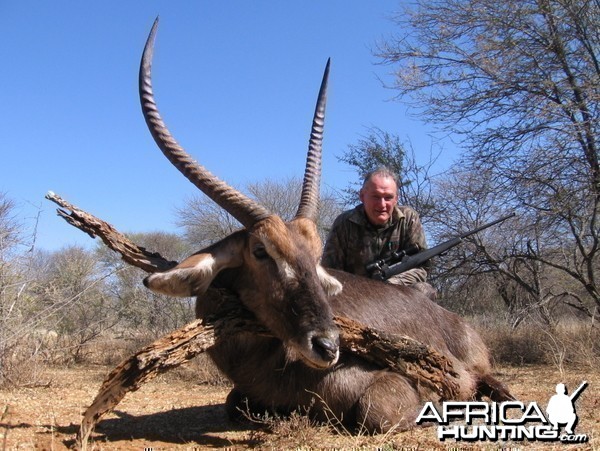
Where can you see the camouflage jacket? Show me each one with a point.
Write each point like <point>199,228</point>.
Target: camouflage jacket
<point>353,242</point>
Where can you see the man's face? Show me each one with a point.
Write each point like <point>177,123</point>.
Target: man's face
<point>379,196</point>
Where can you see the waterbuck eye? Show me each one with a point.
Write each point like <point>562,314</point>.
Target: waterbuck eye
<point>260,253</point>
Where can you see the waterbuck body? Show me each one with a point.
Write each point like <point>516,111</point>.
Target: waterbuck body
<point>273,267</point>
<point>352,391</point>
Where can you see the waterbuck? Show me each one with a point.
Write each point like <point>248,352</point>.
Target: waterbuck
<point>273,267</point>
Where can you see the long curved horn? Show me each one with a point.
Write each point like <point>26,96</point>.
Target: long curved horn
<point>309,199</point>
<point>235,203</point>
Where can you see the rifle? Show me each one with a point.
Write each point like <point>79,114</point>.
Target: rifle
<point>410,258</point>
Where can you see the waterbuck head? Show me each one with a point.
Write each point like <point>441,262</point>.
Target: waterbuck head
<point>272,265</point>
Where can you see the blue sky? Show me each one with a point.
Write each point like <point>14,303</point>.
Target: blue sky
<point>236,82</point>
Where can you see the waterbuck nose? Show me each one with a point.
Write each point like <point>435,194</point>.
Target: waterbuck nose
<point>327,346</point>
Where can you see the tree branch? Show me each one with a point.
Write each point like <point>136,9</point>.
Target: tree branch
<point>130,252</point>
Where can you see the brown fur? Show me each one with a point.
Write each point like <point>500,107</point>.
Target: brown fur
<point>299,369</point>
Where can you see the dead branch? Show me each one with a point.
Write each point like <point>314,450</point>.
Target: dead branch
<point>130,252</point>
<point>162,355</point>
<point>418,362</point>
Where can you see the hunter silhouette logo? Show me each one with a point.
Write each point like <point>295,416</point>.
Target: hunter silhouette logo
<point>561,407</point>
<point>510,420</point>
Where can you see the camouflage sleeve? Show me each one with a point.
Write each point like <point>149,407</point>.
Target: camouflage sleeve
<point>415,236</point>
<point>334,253</point>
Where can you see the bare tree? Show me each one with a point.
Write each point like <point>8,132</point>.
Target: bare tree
<point>520,81</point>
<point>10,237</point>
<point>9,226</point>
<point>10,281</point>
<point>380,148</point>
<point>22,333</point>
<point>71,295</point>
<point>491,261</point>
<point>204,222</point>
<point>140,311</point>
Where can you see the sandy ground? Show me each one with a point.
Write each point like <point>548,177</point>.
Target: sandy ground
<point>174,412</point>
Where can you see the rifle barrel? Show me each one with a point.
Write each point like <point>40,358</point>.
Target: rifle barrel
<point>485,226</point>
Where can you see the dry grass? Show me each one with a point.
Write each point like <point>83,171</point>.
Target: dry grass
<point>42,405</point>
<point>172,412</point>
<point>570,343</point>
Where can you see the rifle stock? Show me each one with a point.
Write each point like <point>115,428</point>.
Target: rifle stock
<point>400,262</point>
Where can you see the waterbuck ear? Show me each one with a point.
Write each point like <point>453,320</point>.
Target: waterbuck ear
<point>330,284</point>
<point>193,275</point>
